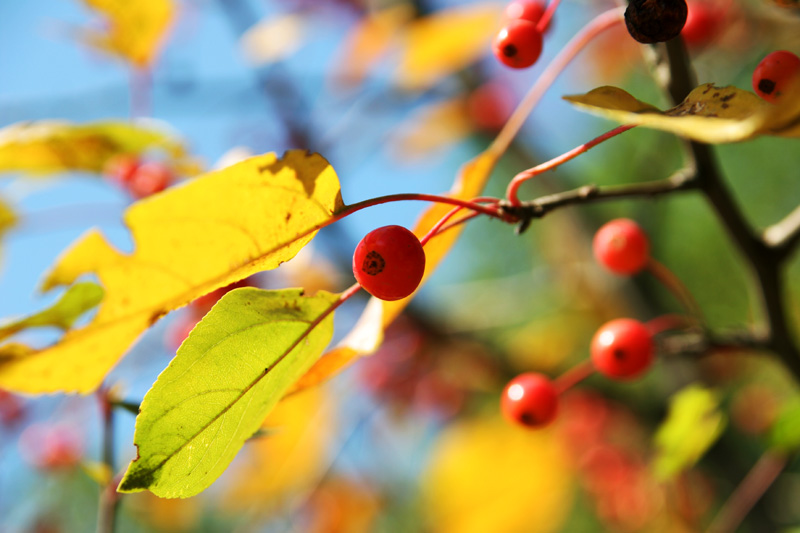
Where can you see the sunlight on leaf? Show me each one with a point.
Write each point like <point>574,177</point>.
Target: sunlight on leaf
<point>226,377</point>
<point>273,39</point>
<point>78,299</point>
<point>290,460</point>
<point>708,114</point>
<point>47,146</point>
<point>134,29</point>
<point>486,475</point>
<point>693,425</point>
<point>367,334</point>
<point>188,241</point>
<point>446,41</point>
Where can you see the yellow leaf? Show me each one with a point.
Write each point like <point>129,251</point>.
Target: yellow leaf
<point>486,475</point>
<point>367,334</point>
<point>708,114</point>
<point>291,459</point>
<point>368,41</point>
<point>135,29</point>
<point>51,146</point>
<point>433,127</point>
<point>445,42</point>
<point>7,217</point>
<point>189,240</point>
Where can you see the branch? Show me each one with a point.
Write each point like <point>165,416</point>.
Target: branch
<point>683,179</point>
<point>766,261</point>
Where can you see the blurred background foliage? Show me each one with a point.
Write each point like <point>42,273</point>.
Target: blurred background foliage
<point>397,95</point>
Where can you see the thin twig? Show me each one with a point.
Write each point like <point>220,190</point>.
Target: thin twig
<point>750,490</point>
<point>109,499</point>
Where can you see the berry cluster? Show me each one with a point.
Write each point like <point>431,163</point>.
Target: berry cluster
<point>140,179</point>
<point>519,42</point>
<point>621,349</point>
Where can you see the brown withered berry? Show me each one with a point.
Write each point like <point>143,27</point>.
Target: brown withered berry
<point>655,21</point>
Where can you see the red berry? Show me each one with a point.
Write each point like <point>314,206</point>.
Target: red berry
<point>775,74</point>
<point>490,105</point>
<point>519,44</point>
<point>622,348</point>
<point>621,246</point>
<point>530,399</point>
<point>51,447</point>
<point>120,168</point>
<point>389,262</point>
<point>149,179</point>
<point>703,21</point>
<point>531,10</point>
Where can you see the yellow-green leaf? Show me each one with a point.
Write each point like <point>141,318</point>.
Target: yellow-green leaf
<point>133,29</point>
<point>78,299</point>
<point>188,241</point>
<point>45,147</point>
<point>785,433</point>
<point>693,425</point>
<point>445,42</point>
<point>227,376</point>
<point>487,475</point>
<point>708,114</point>
<point>367,334</point>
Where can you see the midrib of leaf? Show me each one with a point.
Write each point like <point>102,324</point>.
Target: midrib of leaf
<point>311,325</point>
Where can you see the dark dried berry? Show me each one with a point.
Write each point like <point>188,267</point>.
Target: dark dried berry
<point>655,21</point>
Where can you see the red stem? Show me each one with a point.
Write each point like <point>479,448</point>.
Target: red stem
<point>547,16</point>
<point>525,175</point>
<point>667,278</point>
<point>573,376</point>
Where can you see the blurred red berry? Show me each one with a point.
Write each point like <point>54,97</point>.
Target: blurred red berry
<point>703,22</point>
<point>775,74</point>
<point>120,168</point>
<point>11,408</point>
<point>490,105</point>
<point>622,349</point>
<point>530,400</point>
<point>519,44</point>
<point>51,447</point>
<point>621,246</point>
<point>149,179</point>
<point>530,10</point>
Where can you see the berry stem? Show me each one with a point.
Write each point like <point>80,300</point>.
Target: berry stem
<point>574,375</point>
<point>492,211</point>
<point>669,280</point>
<point>597,25</point>
<point>668,322</point>
<point>438,227</point>
<point>525,175</point>
<point>750,490</point>
<point>547,16</point>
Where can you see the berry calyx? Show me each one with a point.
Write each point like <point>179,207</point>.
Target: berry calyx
<point>655,21</point>
<point>622,349</point>
<point>530,400</point>
<point>621,246</point>
<point>149,178</point>
<point>120,168</point>
<point>389,262</point>
<point>531,10</point>
<point>775,74</point>
<point>519,44</point>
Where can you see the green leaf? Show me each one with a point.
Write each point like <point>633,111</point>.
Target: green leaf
<point>78,299</point>
<point>693,424</point>
<point>785,433</point>
<point>226,377</point>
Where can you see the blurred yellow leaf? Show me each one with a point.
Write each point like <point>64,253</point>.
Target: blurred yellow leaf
<point>442,43</point>
<point>432,128</point>
<point>189,240</point>
<point>50,146</point>
<point>273,39</point>
<point>369,40</point>
<point>693,425</point>
<point>708,114</point>
<point>487,475</point>
<point>367,334</point>
<point>290,461</point>
<point>135,29</point>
